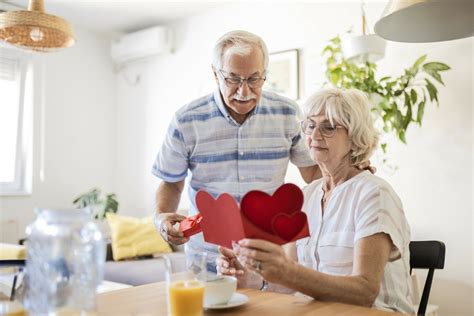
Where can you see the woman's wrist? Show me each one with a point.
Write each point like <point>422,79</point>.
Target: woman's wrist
<point>256,281</point>
<point>249,280</point>
<point>291,270</point>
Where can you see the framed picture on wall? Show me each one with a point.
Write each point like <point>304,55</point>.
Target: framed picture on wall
<point>282,73</point>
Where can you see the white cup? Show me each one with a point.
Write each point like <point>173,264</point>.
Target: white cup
<point>220,291</point>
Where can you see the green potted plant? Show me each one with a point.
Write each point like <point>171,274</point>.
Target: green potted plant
<point>100,205</point>
<point>397,101</point>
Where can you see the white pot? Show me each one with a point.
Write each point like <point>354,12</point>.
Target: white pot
<point>362,48</point>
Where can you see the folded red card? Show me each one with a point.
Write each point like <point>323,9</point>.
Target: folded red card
<point>190,226</point>
<point>277,218</point>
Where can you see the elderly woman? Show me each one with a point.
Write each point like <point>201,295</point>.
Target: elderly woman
<point>357,251</point>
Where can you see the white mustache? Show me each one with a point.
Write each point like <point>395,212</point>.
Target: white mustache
<point>239,97</point>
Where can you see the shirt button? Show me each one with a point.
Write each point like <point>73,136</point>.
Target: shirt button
<point>242,178</point>
<point>241,153</point>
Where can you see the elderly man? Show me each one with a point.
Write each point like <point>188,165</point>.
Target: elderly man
<point>237,139</point>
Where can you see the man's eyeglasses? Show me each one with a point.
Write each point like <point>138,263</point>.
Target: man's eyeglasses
<point>237,81</point>
<point>325,128</point>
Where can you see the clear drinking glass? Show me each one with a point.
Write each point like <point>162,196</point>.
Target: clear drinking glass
<point>185,289</point>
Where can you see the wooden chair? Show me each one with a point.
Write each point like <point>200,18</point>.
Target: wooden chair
<point>426,255</point>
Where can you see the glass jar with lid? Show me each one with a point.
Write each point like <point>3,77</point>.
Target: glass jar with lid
<point>65,261</point>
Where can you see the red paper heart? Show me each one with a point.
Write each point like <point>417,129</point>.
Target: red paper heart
<point>221,223</point>
<point>261,208</point>
<point>288,226</point>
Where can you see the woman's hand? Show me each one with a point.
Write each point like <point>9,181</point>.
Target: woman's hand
<point>228,264</point>
<point>265,258</point>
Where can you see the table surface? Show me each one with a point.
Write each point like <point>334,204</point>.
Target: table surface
<point>150,299</point>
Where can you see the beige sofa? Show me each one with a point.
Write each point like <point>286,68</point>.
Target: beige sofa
<point>144,270</point>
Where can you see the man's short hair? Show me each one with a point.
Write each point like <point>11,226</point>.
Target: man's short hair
<point>240,42</point>
<point>351,109</point>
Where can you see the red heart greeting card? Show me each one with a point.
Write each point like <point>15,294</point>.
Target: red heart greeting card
<point>277,218</point>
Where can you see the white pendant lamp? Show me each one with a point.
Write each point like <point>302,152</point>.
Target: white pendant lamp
<point>33,29</point>
<point>420,21</point>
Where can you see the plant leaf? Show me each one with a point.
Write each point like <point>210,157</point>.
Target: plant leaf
<point>435,75</point>
<point>418,62</point>
<point>336,40</point>
<point>413,96</point>
<point>401,136</point>
<point>407,99</point>
<point>387,116</point>
<point>435,66</point>
<point>420,112</point>
<point>407,118</point>
<point>327,49</point>
<point>433,92</point>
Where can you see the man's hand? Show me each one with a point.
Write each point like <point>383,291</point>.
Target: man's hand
<point>309,174</point>
<point>366,166</point>
<point>164,223</point>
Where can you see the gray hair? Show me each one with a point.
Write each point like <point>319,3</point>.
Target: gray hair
<point>349,108</point>
<point>240,42</point>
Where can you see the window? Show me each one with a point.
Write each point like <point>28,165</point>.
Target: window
<point>16,95</point>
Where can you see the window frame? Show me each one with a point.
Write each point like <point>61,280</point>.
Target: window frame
<point>22,182</point>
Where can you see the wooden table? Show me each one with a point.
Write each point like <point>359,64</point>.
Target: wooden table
<point>150,299</point>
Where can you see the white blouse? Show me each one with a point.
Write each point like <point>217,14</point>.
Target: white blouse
<point>360,207</point>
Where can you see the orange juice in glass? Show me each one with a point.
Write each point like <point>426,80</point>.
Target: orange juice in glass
<point>186,297</point>
<point>185,289</point>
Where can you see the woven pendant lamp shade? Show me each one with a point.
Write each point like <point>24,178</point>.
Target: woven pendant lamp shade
<point>35,30</point>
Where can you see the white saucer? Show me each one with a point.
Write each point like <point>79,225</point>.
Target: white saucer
<point>236,300</point>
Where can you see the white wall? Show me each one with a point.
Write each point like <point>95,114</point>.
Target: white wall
<point>433,180</point>
<point>435,170</point>
<point>79,131</point>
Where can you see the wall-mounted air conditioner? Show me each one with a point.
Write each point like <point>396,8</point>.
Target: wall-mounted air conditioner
<point>4,7</point>
<point>142,44</point>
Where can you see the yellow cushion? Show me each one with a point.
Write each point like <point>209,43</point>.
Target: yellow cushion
<point>132,237</point>
<point>12,252</point>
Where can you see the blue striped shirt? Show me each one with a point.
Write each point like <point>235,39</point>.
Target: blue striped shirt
<point>225,156</point>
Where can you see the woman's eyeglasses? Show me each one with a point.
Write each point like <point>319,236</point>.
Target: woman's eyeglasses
<point>325,128</point>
